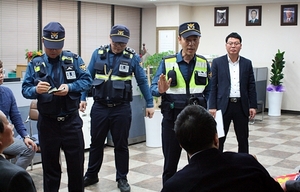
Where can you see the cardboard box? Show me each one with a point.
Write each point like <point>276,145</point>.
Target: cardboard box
<point>21,69</point>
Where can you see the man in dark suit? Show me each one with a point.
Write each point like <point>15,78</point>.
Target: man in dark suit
<point>289,15</point>
<point>209,169</point>
<point>13,178</point>
<point>222,18</point>
<point>233,91</point>
<point>253,16</point>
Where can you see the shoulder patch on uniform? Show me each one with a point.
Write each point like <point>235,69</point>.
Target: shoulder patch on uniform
<point>75,56</point>
<point>103,46</point>
<point>130,50</point>
<point>209,74</point>
<point>83,67</point>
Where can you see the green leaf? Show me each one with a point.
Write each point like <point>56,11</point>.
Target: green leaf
<point>277,68</point>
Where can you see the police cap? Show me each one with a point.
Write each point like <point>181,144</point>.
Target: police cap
<point>54,35</point>
<point>120,34</point>
<point>189,28</point>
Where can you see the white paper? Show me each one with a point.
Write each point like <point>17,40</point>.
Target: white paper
<point>219,120</point>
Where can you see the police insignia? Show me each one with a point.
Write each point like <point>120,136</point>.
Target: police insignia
<point>54,35</point>
<point>120,32</point>
<point>209,74</point>
<point>83,67</point>
<point>190,26</point>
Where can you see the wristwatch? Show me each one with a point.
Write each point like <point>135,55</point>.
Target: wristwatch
<point>26,136</point>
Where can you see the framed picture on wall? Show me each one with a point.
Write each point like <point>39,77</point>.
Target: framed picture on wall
<point>253,15</point>
<point>221,16</point>
<point>289,14</point>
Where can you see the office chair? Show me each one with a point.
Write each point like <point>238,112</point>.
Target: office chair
<point>32,116</point>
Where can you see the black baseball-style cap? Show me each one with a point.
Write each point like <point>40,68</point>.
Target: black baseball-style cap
<point>189,28</point>
<point>54,35</point>
<point>120,34</point>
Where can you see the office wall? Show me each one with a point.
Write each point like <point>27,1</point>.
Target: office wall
<point>260,43</point>
<point>149,29</point>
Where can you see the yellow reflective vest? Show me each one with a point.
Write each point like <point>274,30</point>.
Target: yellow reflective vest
<point>180,88</point>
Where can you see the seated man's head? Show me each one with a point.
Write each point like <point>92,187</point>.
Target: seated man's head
<point>196,129</point>
<point>6,132</point>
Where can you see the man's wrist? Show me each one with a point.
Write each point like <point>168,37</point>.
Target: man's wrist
<point>26,136</point>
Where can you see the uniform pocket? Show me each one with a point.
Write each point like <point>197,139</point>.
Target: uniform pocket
<point>98,89</point>
<point>200,78</point>
<point>118,90</point>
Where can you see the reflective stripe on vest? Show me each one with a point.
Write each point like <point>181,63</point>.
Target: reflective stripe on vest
<point>113,77</point>
<point>180,88</point>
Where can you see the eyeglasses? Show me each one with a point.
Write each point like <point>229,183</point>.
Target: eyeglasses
<point>233,43</point>
<point>119,43</point>
<point>192,41</point>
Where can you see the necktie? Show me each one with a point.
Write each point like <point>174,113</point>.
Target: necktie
<point>56,76</point>
<point>55,71</point>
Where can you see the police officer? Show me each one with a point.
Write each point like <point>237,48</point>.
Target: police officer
<point>56,79</point>
<point>181,80</point>
<point>112,67</point>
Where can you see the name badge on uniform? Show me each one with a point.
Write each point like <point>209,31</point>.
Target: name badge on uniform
<point>201,74</point>
<point>70,75</point>
<point>124,67</point>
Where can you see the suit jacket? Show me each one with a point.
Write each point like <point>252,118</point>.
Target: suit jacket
<point>14,178</point>
<point>255,21</point>
<point>222,20</point>
<point>213,171</point>
<point>220,84</point>
<point>289,21</point>
<point>292,185</point>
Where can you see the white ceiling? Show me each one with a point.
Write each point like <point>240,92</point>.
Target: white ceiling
<point>153,3</point>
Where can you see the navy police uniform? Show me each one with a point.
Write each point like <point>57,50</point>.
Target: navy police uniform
<point>111,110</point>
<point>190,86</point>
<point>59,124</point>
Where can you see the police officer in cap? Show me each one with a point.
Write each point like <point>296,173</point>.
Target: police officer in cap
<point>112,67</point>
<point>181,79</point>
<point>56,79</point>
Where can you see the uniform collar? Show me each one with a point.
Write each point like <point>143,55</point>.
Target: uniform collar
<point>179,57</point>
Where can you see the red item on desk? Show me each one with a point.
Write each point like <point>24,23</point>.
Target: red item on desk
<point>283,178</point>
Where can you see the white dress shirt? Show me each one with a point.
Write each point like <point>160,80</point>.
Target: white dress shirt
<point>234,69</point>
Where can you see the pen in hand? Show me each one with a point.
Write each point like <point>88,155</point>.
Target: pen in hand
<point>42,87</point>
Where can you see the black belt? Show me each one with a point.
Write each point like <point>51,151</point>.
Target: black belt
<point>109,104</point>
<point>234,99</point>
<point>62,117</point>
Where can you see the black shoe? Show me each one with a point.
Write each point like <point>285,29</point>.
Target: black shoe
<point>90,181</point>
<point>123,185</point>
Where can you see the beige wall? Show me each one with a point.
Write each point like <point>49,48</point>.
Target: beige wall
<point>260,43</point>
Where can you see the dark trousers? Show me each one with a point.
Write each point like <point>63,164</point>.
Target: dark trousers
<point>235,113</point>
<point>117,120</point>
<point>171,149</point>
<point>66,135</point>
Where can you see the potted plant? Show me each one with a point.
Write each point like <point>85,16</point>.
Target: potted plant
<point>275,89</point>
<point>29,55</point>
<point>152,62</point>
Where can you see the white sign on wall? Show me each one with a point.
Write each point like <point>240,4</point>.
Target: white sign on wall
<point>167,40</point>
